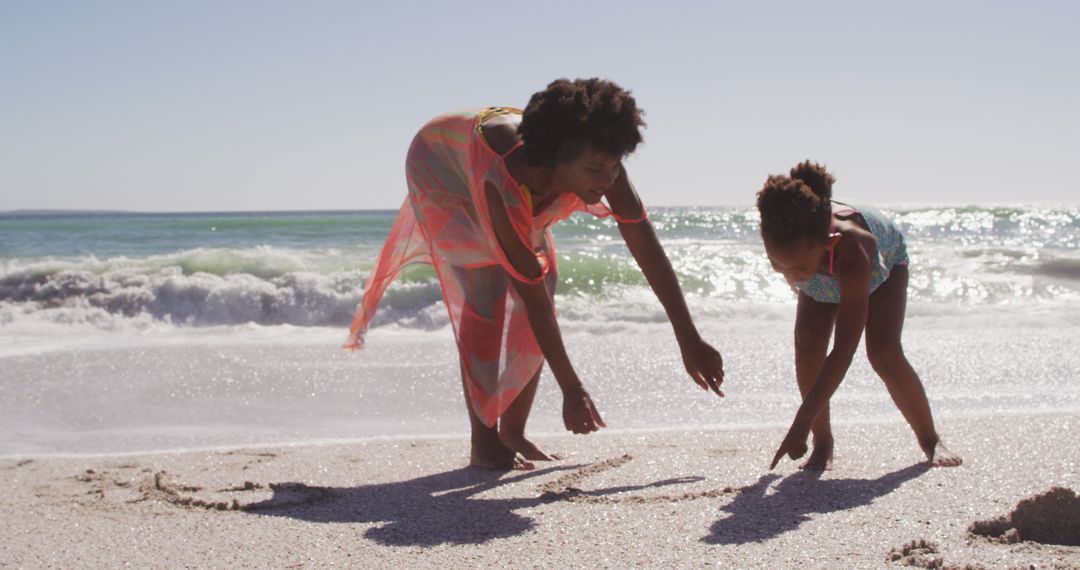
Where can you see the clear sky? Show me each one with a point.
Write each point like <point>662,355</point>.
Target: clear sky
<point>275,105</point>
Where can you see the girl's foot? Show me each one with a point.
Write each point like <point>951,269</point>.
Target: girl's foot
<point>940,456</point>
<point>820,458</point>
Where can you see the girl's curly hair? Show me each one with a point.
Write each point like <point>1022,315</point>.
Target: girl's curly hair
<point>796,207</point>
<point>560,121</point>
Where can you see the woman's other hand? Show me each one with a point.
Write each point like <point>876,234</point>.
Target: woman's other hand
<point>704,364</point>
<point>579,412</point>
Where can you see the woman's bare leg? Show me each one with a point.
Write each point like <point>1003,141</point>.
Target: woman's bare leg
<point>884,325</point>
<point>813,329</point>
<point>482,318</point>
<point>512,424</point>
<point>487,449</point>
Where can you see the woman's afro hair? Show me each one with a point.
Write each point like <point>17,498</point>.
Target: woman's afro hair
<point>561,120</point>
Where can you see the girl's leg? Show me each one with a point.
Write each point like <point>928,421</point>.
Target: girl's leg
<point>884,324</point>
<point>512,423</point>
<point>813,328</point>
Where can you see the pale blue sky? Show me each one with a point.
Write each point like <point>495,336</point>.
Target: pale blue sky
<point>200,105</point>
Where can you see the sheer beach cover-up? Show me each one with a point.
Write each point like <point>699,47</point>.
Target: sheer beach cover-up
<point>445,222</point>
<point>891,249</point>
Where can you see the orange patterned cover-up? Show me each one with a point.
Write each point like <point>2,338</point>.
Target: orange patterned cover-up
<point>445,222</point>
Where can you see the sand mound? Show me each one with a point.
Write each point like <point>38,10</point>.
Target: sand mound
<point>1050,518</point>
<point>918,553</point>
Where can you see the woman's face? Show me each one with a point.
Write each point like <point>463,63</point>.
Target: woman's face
<point>589,175</point>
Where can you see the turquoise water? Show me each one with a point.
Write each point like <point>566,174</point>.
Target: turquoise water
<point>306,268</point>
<point>115,234</point>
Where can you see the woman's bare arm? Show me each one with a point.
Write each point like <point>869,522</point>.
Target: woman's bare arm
<point>702,361</point>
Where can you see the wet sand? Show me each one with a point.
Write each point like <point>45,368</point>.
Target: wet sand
<point>650,499</point>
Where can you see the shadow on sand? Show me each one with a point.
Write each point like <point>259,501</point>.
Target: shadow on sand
<point>427,511</point>
<point>756,516</point>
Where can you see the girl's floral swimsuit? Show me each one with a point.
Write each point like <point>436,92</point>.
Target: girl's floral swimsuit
<point>891,249</point>
<point>445,221</point>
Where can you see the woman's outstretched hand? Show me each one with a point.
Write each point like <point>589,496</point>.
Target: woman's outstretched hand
<point>579,412</point>
<point>704,364</point>
<point>794,445</point>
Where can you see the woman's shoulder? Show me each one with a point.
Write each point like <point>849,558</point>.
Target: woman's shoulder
<point>499,128</point>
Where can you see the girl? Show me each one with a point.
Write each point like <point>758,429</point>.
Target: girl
<point>484,189</point>
<point>850,267</point>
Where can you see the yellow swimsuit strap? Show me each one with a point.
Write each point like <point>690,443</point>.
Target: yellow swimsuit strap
<point>494,112</point>
<point>490,112</point>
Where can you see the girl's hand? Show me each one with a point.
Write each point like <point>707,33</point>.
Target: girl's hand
<point>794,445</point>
<point>704,364</point>
<point>579,412</point>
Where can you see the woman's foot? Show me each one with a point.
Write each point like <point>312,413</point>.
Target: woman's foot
<point>497,458</point>
<point>518,443</point>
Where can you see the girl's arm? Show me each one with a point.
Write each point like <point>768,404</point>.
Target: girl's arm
<point>579,412</point>
<point>853,276</point>
<point>702,361</point>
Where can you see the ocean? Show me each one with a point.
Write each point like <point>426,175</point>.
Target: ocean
<point>124,332</point>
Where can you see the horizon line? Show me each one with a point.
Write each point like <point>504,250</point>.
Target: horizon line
<point>105,211</point>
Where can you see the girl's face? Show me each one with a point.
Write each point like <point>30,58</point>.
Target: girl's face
<point>799,261</point>
<point>589,175</point>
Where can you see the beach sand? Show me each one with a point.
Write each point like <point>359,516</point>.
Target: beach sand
<point>648,499</point>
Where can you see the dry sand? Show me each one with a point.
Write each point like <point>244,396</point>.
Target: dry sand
<point>657,499</point>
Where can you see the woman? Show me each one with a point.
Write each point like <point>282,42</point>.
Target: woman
<point>484,189</point>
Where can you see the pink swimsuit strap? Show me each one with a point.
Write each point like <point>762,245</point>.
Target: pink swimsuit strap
<point>832,253</point>
<point>516,146</point>
<point>832,230</point>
